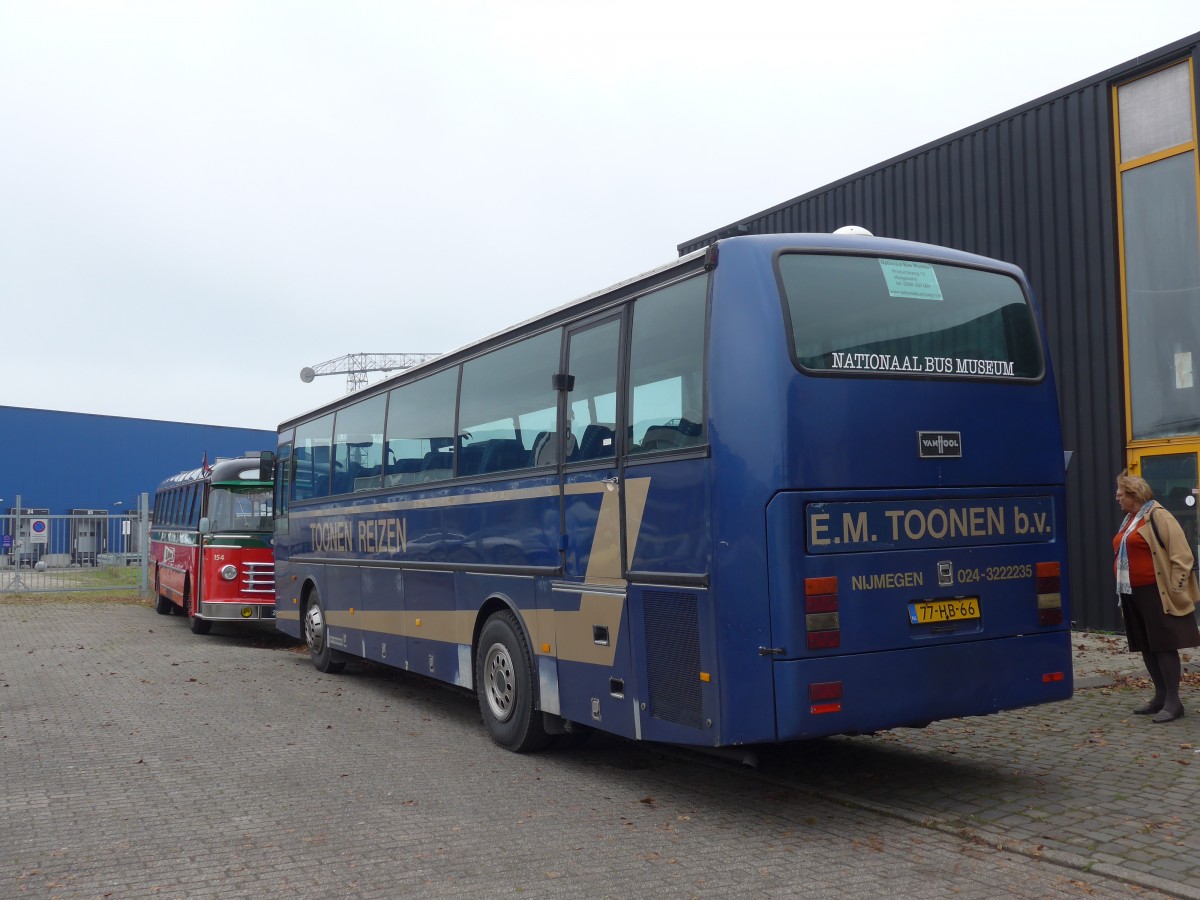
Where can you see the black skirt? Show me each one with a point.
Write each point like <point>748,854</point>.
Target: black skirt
<point>1149,629</point>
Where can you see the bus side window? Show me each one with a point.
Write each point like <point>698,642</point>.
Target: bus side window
<point>420,419</point>
<point>358,446</point>
<point>283,481</point>
<point>311,453</point>
<point>666,368</point>
<point>592,358</point>
<point>197,491</point>
<point>507,397</point>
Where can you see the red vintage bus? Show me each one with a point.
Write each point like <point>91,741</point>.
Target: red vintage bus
<point>210,542</point>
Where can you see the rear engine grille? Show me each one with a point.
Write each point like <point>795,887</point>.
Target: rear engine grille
<point>673,657</point>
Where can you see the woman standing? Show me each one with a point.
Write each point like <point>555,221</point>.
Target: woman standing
<point>1156,590</point>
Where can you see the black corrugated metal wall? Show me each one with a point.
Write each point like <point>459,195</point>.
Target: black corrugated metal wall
<point>1037,187</point>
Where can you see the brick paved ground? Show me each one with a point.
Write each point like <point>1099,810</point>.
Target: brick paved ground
<point>140,760</point>
<point>1084,780</point>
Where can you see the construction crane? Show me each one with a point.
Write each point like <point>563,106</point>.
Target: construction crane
<point>355,366</point>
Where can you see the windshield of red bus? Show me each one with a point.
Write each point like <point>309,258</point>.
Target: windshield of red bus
<point>879,316</point>
<point>240,509</point>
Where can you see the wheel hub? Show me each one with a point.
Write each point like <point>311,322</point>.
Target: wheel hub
<point>501,682</point>
<point>314,629</point>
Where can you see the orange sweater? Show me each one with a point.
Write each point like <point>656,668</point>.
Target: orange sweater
<point>1141,562</point>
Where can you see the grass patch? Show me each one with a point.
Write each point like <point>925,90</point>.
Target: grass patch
<point>126,596</point>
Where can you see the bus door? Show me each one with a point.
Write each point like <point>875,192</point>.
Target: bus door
<point>666,518</point>
<point>589,601</point>
<point>1172,474</point>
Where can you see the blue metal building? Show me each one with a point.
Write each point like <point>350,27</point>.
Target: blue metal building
<point>61,461</point>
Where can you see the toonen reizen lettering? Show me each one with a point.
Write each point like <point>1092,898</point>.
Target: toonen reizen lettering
<point>386,535</point>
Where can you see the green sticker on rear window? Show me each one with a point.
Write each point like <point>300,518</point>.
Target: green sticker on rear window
<point>911,280</point>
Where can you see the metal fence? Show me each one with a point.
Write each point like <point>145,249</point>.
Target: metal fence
<point>85,550</point>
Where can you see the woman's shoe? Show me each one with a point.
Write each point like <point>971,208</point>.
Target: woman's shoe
<point>1148,708</point>
<point>1166,716</point>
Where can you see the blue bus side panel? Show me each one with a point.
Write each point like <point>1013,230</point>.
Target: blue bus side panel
<point>290,576</point>
<point>601,696</point>
<point>430,599</point>
<point>342,589</point>
<point>286,624</point>
<point>382,597</point>
<point>914,687</point>
<point>673,533</point>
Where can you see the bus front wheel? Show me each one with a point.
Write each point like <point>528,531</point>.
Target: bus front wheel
<point>199,625</point>
<point>316,635</point>
<point>504,678</point>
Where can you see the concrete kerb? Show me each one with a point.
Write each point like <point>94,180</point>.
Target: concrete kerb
<point>1101,659</point>
<point>1063,858</point>
<point>1028,849</point>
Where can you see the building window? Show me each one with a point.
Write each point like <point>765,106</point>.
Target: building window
<point>1160,245</point>
<point>1155,112</point>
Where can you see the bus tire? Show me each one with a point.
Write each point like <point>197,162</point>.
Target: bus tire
<point>199,625</point>
<point>165,607</point>
<point>316,635</point>
<point>504,677</point>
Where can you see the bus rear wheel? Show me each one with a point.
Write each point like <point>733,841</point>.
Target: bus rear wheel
<point>165,607</point>
<point>316,635</point>
<point>504,678</point>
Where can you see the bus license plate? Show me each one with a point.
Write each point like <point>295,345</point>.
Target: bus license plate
<point>951,610</point>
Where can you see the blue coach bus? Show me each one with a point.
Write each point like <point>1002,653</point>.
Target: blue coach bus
<point>789,486</point>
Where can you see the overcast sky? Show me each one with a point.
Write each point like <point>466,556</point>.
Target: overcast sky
<point>198,199</point>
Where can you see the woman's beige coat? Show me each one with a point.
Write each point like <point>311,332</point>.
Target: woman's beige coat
<point>1173,561</point>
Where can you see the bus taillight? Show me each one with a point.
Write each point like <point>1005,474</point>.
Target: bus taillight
<point>1049,593</point>
<point>821,613</point>
<point>825,697</point>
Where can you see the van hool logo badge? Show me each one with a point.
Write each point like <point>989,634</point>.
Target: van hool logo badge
<point>939,443</point>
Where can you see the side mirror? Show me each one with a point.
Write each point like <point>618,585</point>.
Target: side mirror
<point>266,465</point>
<point>205,526</point>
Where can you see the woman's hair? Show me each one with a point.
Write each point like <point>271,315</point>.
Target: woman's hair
<point>1135,486</point>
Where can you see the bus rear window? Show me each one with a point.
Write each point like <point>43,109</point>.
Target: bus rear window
<point>872,315</point>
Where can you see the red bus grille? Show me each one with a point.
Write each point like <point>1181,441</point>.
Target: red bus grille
<point>258,578</point>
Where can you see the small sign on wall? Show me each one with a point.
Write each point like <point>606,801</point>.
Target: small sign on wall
<point>1183,370</point>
